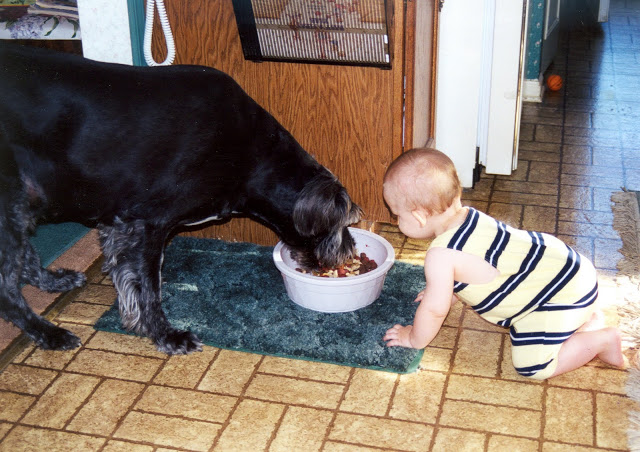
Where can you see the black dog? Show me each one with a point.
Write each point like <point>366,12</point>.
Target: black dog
<point>138,152</point>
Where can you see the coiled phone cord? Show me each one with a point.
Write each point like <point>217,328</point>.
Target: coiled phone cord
<point>166,29</point>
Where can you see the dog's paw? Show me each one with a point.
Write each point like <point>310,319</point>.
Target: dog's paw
<point>63,280</point>
<point>177,342</point>
<point>56,338</point>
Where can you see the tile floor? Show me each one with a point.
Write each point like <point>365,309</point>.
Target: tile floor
<point>117,393</point>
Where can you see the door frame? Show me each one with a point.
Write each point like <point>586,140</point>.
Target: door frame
<point>420,48</point>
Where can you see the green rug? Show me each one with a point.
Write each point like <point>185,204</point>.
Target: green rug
<point>51,240</point>
<point>232,296</point>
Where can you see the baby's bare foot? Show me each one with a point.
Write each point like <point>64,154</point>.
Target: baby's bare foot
<point>612,354</point>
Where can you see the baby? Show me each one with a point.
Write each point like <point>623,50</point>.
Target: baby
<point>530,282</point>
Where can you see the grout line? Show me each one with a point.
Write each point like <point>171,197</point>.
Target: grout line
<point>594,419</point>
<point>337,409</point>
<point>277,426</point>
<point>392,396</point>
<point>449,372</point>
<point>543,415</point>
<point>239,399</point>
<point>206,370</point>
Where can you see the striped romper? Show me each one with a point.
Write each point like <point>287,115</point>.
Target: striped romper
<point>544,293</point>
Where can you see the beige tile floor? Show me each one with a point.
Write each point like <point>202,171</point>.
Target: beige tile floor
<point>117,393</point>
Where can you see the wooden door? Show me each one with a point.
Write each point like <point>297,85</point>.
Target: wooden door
<point>420,50</point>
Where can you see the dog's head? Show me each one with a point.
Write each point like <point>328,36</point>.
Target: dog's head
<point>321,215</point>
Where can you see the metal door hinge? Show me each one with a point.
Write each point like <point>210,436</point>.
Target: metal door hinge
<point>440,5</point>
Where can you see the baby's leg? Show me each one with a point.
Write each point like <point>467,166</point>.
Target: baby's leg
<point>583,346</point>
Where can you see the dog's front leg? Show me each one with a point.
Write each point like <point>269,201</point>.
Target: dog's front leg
<point>133,257</point>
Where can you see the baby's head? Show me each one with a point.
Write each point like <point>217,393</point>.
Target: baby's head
<point>425,179</point>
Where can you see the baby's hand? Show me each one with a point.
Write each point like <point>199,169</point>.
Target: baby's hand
<point>398,335</point>
<point>419,297</point>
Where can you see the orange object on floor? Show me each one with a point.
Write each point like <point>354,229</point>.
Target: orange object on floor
<point>554,82</point>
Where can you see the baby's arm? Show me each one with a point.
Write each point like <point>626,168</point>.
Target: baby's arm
<point>434,303</point>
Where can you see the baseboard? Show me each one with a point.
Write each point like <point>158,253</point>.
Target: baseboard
<point>532,90</point>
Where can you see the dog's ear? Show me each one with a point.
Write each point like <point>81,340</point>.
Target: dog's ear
<point>324,206</point>
<point>355,213</point>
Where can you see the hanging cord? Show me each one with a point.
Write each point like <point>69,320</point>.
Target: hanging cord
<point>166,29</point>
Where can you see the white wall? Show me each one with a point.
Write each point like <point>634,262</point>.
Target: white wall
<point>105,30</point>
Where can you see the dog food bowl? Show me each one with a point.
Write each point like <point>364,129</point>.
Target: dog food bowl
<point>338,294</point>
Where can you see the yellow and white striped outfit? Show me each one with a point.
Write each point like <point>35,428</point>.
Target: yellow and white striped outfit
<point>544,293</point>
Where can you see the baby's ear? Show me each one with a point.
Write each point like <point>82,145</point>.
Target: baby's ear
<point>420,216</point>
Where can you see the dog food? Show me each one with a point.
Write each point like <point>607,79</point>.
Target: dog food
<point>357,266</point>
